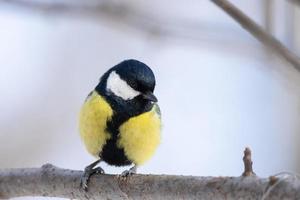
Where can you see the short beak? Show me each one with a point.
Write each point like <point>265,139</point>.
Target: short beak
<point>149,96</point>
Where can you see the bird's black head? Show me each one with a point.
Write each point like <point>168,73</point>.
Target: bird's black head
<point>129,80</point>
<point>138,76</point>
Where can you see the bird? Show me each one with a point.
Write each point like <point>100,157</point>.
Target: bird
<point>120,120</point>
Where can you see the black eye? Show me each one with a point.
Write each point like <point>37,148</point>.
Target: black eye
<point>145,87</point>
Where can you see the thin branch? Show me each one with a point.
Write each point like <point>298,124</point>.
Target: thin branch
<point>248,163</point>
<point>51,181</point>
<point>268,15</point>
<point>297,2</point>
<point>257,31</point>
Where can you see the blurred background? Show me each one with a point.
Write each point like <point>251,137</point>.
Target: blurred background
<point>219,89</point>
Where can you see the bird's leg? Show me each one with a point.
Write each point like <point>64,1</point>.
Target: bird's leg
<point>88,172</point>
<point>129,172</point>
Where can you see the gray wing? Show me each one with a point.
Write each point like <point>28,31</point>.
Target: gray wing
<point>157,109</point>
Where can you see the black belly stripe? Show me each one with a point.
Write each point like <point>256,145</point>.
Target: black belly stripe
<point>113,155</point>
<point>123,110</point>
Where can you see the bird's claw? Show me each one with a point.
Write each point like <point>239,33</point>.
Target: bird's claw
<point>98,170</point>
<point>83,182</point>
<point>88,172</point>
<point>129,172</point>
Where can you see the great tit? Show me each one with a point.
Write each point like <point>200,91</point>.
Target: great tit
<point>120,121</point>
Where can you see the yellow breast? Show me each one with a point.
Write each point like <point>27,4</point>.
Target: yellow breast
<point>140,136</point>
<point>94,114</point>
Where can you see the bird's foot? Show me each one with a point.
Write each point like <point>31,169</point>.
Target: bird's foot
<point>88,172</point>
<point>129,172</point>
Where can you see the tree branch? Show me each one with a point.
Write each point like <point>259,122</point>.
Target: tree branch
<point>51,181</point>
<point>257,31</point>
<point>248,163</point>
<point>297,2</point>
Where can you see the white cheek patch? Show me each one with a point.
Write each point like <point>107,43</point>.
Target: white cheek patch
<point>120,87</point>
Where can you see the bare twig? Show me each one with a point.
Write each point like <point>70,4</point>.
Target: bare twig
<point>268,15</point>
<point>247,163</point>
<point>257,31</point>
<point>297,2</point>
